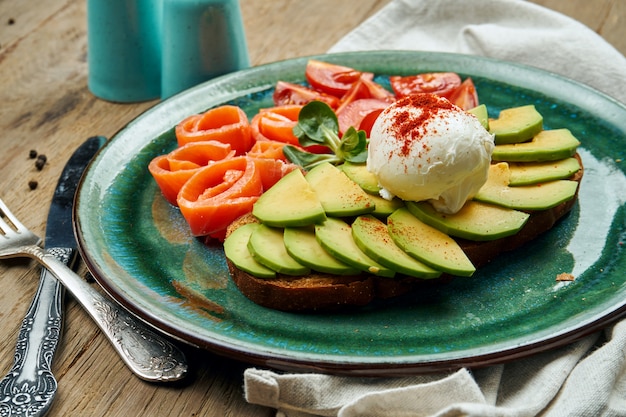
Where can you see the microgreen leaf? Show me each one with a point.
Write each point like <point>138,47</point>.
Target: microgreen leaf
<point>318,121</point>
<point>354,145</point>
<point>308,160</point>
<point>318,125</point>
<point>303,139</point>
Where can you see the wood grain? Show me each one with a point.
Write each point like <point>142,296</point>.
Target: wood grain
<point>45,105</point>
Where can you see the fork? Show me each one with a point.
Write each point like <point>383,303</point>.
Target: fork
<point>149,355</point>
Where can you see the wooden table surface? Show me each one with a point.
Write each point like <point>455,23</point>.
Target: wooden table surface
<point>45,105</point>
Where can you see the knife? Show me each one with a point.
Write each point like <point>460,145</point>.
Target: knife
<point>30,386</point>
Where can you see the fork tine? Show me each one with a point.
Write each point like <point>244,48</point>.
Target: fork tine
<point>4,227</point>
<point>3,224</point>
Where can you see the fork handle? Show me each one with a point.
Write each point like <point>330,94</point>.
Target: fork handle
<point>148,354</point>
<point>42,325</point>
<point>29,387</point>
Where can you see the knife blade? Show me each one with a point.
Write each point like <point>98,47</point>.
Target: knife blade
<point>30,386</point>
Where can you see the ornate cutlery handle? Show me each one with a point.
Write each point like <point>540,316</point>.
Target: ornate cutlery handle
<point>149,355</point>
<point>29,387</point>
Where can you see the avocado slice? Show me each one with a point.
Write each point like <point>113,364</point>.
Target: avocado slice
<point>537,172</point>
<point>481,114</point>
<point>236,249</point>
<point>548,145</point>
<point>267,247</point>
<point>385,207</point>
<point>303,246</point>
<point>527,197</point>
<point>338,194</point>
<point>516,124</point>
<point>359,174</point>
<point>475,221</point>
<point>290,202</point>
<point>427,244</point>
<point>372,237</point>
<point>335,236</point>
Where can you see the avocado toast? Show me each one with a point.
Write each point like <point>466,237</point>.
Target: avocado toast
<point>533,182</point>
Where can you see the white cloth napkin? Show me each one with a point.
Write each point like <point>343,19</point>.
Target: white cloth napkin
<point>512,30</point>
<point>586,378</point>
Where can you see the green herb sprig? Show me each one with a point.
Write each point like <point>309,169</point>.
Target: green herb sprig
<point>318,125</point>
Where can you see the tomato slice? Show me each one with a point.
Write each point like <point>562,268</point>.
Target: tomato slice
<point>368,121</point>
<point>290,93</point>
<point>375,90</point>
<point>355,112</point>
<point>441,83</point>
<point>465,96</point>
<point>365,88</point>
<point>227,124</point>
<point>330,78</point>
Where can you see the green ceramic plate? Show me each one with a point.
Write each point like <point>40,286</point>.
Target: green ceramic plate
<point>139,249</point>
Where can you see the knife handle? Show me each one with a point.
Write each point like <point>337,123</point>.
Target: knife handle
<point>148,354</point>
<point>29,387</point>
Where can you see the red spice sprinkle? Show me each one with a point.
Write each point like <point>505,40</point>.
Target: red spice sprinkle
<point>410,128</point>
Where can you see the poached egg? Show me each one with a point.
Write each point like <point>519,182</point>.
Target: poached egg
<point>423,147</point>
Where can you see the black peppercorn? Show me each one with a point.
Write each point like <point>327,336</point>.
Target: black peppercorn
<point>40,162</point>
